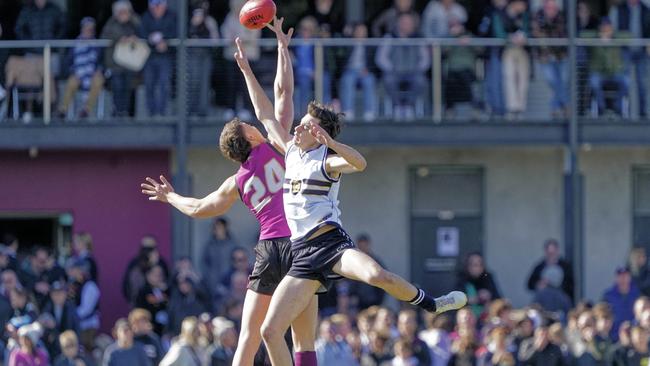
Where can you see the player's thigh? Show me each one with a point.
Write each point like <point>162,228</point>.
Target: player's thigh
<point>303,327</point>
<point>356,265</point>
<point>289,300</point>
<point>255,307</point>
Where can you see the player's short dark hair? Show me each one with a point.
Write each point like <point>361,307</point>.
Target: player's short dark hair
<point>330,121</point>
<point>233,143</point>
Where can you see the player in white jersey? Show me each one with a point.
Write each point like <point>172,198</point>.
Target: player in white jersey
<point>322,250</point>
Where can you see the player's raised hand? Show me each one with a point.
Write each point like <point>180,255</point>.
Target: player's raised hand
<point>157,191</point>
<point>321,136</point>
<point>283,38</point>
<point>240,56</point>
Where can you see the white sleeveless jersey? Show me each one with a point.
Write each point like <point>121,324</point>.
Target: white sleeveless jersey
<point>310,194</point>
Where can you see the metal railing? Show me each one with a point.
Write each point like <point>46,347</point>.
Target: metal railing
<point>432,101</point>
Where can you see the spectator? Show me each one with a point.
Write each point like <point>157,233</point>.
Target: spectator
<point>22,307</point>
<point>364,295</point>
<point>216,257</point>
<point>158,26</point>
<point>539,351</point>
<point>185,302</point>
<point>329,16</point>
<point>358,69</point>
<point>154,297</point>
<point>62,310</point>
<point>28,352</point>
<point>557,337</point>
<point>621,298</point>
<point>305,65</point>
<point>604,338</point>
<point>239,264</point>
<point>477,283</point>
<point>549,293</point>
<point>40,20</point>
<point>437,338</point>
<point>607,67</point>
<point>143,335</point>
<point>493,26</point>
<point>134,277</point>
<point>199,68</point>
<point>124,351</point>
<point>549,22</point>
<point>464,349</point>
<point>498,353</point>
<point>385,323</point>
<point>85,73</point>
<point>386,21</point>
<point>186,350</point>
<point>404,354</point>
<point>516,62</point>
<point>378,351</point>
<point>633,16</point>
<point>586,23</point>
<point>71,355</point>
<point>121,27</point>
<point>85,292</point>
<point>440,15</point>
<point>221,352</point>
<point>552,258</point>
<point>331,348</point>
<point>39,270</point>
<point>407,327</point>
<point>232,83</point>
<point>82,250</point>
<point>460,70</point>
<point>640,305</point>
<point>404,67</point>
<point>638,264</point>
<point>12,243</point>
<point>639,352</point>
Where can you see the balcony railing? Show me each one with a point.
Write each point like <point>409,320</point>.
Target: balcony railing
<point>458,80</point>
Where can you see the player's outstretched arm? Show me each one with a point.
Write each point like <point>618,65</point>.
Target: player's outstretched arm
<point>283,85</point>
<point>348,160</point>
<point>215,204</point>
<point>263,106</point>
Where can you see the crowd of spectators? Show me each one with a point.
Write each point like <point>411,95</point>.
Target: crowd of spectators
<point>186,316</point>
<point>492,79</point>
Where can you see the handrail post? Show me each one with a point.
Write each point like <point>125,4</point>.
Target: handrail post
<point>47,84</point>
<point>436,82</point>
<point>319,56</point>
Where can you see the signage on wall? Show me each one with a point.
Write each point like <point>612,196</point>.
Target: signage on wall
<point>448,242</point>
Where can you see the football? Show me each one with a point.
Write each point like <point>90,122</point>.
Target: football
<point>256,14</point>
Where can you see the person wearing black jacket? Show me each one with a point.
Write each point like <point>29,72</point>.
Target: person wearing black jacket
<point>40,21</point>
<point>158,26</point>
<point>140,324</point>
<point>62,310</point>
<point>477,283</point>
<point>552,258</point>
<point>539,351</point>
<point>633,16</point>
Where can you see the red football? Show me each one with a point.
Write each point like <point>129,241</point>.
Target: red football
<point>255,14</point>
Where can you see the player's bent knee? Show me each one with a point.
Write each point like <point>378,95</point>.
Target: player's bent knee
<point>379,277</point>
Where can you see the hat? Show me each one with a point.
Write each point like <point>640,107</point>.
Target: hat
<point>157,2</point>
<point>88,21</point>
<point>622,269</point>
<point>605,21</point>
<point>33,331</point>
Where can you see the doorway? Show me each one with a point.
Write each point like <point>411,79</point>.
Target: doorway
<point>446,223</point>
<point>50,230</point>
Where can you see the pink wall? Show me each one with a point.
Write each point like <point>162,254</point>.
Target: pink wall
<point>101,190</point>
